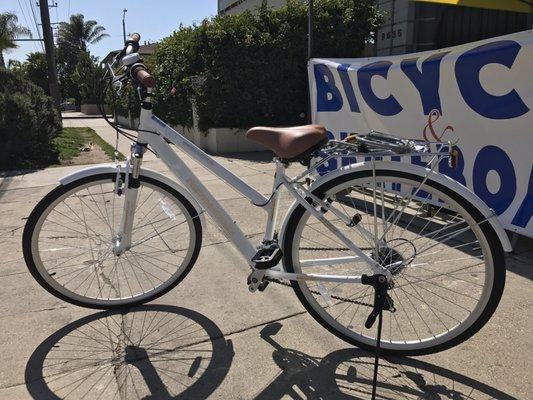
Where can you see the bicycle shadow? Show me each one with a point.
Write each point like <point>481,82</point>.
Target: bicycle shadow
<point>148,352</point>
<point>347,374</point>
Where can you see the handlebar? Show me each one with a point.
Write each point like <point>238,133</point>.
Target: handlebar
<point>134,66</point>
<point>132,44</point>
<point>140,74</point>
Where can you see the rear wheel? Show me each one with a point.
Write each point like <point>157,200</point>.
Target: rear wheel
<point>69,237</point>
<point>446,261</point>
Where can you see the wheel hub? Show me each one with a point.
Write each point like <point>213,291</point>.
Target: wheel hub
<point>396,255</point>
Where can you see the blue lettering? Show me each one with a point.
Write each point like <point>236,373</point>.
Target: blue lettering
<point>492,158</point>
<point>467,70</point>
<point>525,211</point>
<point>426,81</point>
<point>330,165</point>
<point>328,96</point>
<point>347,85</point>
<point>396,186</point>
<point>386,107</point>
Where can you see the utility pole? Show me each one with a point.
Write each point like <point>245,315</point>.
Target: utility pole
<point>124,24</point>
<point>50,55</point>
<point>310,17</point>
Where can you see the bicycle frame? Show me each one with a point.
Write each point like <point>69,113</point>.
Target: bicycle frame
<point>150,123</point>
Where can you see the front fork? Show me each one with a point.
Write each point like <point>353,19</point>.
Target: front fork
<point>129,189</point>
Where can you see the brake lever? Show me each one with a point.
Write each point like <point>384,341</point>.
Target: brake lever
<point>118,86</point>
<point>118,80</point>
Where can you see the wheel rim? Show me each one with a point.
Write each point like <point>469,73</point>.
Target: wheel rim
<point>73,238</point>
<point>348,318</point>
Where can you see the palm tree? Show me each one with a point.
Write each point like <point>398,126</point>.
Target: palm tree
<point>78,33</point>
<point>9,31</point>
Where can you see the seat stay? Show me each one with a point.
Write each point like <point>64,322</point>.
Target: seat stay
<point>376,268</point>
<point>365,233</point>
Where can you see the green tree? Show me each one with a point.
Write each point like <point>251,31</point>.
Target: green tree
<point>252,67</point>
<point>78,33</point>
<point>74,38</point>
<point>9,31</point>
<point>86,76</point>
<point>14,65</point>
<point>35,70</point>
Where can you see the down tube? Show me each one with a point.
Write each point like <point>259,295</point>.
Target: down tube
<point>201,194</point>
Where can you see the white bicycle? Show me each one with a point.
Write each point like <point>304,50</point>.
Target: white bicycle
<point>372,236</point>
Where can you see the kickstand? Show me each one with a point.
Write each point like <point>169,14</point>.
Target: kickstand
<point>382,301</point>
<point>376,359</point>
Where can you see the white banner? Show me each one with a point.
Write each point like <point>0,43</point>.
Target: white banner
<point>478,95</point>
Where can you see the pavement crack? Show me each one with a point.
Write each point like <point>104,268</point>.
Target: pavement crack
<point>232,333</point>
<point>120,368</point>
<point>237,331</point>
<point>249,236</point>
<point>48,309</point>
<point>13,274</point>
<point>34,311</point>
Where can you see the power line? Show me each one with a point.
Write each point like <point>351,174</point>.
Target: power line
<point>28,10</point>
<point>36,23</point>
<point>57,12</point>
<point>27,23</point>
<point>28,13</point>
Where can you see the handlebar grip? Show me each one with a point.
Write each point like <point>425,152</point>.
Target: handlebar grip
<point>132,44</point>
<point>143,76</point>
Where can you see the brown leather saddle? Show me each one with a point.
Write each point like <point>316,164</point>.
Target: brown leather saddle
<point>290,144</point>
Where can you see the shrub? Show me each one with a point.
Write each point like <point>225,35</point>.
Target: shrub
<point>177,59</point>
<point>126,103</point>
<point>28,124</point>
<point>87,77</point>
<point>251,69</point>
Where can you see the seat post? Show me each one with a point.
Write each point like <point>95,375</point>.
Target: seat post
<point>273,205</point>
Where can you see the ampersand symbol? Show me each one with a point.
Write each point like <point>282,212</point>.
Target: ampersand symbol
<point>433,117</point>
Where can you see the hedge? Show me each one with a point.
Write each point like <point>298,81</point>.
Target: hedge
<point>251,69</point>
<point>28,124</point>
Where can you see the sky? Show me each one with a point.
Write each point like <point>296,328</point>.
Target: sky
<point>153,19</point>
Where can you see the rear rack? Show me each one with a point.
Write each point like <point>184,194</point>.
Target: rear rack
<point>377,144</point>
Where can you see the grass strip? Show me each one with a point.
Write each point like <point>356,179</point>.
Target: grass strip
<point>71,141</point>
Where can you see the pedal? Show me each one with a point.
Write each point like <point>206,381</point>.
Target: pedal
<point>262,286</point>
<point>256,281</point>
<point>268,256</point>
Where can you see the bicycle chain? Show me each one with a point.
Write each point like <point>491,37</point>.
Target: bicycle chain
<point>331,248</point>
<point>325,248</point>
<point>343,299</point>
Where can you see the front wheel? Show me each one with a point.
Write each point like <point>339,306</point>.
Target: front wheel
<point>446,261</point>
<point>69,238</point>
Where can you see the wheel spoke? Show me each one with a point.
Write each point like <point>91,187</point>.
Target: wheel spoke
<point>74,240</point>
<point>437,254</point>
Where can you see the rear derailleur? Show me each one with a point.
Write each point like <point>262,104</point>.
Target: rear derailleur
<point>382,300</point>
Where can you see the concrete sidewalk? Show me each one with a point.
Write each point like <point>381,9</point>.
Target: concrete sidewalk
<point>231,344</point>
